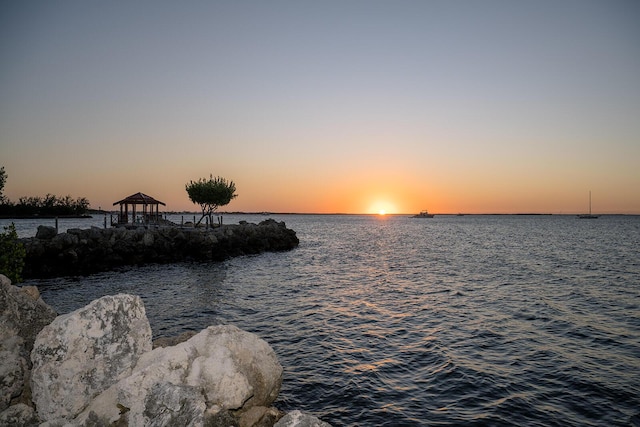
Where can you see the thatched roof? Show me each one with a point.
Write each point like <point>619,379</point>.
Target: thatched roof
<point>139,199</point>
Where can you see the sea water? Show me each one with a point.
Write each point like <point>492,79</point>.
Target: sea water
<point>390,320</point>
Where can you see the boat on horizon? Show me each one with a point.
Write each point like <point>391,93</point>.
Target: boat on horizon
<point>423,214</point>
<point>589,215</point>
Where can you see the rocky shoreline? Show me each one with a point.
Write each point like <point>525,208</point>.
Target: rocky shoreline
<point>97,366</point>
<point>86,251</point>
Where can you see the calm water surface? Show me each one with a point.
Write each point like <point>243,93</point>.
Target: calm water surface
<point>471,320</point>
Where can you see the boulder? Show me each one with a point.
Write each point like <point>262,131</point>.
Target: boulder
<point>14,369</point>
<point>22,315</point>
<point>259,416</point>
<point>19,415</point>
<point>45,232</point>
<point>220,369</point>
<point>299,419</point>
<point>95,367</point>
<point>82,353</point>
<point>64,241</point>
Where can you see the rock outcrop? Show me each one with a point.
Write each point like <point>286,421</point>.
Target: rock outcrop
<point>82,353</point>
<point>298,419</point>
<point>22,315</point>
<point>219,370</point>
<point>85,251</point>
<point>95,367</point>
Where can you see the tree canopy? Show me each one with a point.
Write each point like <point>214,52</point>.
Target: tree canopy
<point>210,194</point>
<point>49,205</point>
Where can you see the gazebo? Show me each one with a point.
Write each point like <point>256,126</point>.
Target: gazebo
<point>150,210</point>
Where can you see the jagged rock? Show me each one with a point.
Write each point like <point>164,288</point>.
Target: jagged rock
<point>14,369</point>
<point>18,416</point>
<point>169,404</point>
<point>171,341</point>
<point>46,232</point>
<point>87,251</point>
<point>23,311</point>
<point>223,418</point>
<point>298,419</point>
<point>82,353</point>
<point>259,416</point>
<point>64,241</point>
<point>22,315</point>
<point>221,368</point>
<point>95,367</point>
<point>32,292</point>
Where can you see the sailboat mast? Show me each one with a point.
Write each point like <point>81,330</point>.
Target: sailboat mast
<point>589,215</point>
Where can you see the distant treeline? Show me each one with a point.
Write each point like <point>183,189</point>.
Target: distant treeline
<point>48,205</point>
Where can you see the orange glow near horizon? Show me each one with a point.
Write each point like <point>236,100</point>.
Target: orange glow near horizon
<point>356,191</point>
<point>382,207</point>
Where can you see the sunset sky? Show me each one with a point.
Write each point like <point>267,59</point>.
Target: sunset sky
<point>348,106</point>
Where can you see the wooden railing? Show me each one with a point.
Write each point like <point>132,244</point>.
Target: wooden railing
<point>139,219</point>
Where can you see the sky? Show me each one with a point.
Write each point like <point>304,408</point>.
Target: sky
<point>350,106</point>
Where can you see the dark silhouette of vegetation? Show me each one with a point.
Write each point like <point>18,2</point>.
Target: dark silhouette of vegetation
<point>211,194</point>
<point>12,254</point>
<point>48,205</point>
<point>3,179</point>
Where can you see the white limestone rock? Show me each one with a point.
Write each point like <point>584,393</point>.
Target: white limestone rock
<point>299,419</point>
<point>22,315</point>
<point>13,369</point>
<point>82,353</point>
<point>18,415</point>
<point>220,368</point>
<point>169,404</point>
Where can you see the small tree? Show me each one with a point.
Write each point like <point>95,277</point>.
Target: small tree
<point>211,194</point>
<point>12,254</point>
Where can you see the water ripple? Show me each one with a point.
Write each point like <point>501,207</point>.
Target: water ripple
<point>457,321</point>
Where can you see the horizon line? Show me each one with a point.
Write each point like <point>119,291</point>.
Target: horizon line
<point>266,213</point>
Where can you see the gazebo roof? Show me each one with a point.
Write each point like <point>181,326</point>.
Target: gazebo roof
<point>139,199</point>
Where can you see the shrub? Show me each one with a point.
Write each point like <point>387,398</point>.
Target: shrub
<point>12,254</point>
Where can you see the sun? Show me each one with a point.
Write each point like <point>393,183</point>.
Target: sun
<point>381,207</point>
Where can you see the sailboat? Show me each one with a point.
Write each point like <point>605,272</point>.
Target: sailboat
<point>588,216</point>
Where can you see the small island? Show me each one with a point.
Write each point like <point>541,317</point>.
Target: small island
<point>138,234</point>
<point>86,251</point>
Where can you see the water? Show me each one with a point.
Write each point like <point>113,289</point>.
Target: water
<point>472,320</point>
